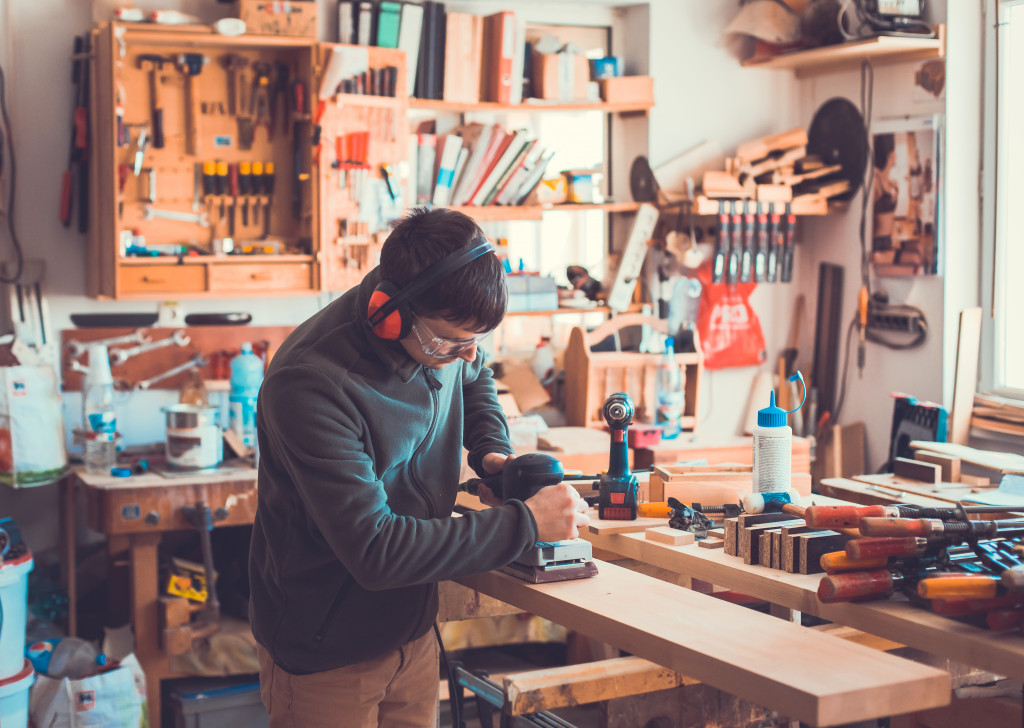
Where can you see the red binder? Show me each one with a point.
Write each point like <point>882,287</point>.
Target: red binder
<point>499,49</point>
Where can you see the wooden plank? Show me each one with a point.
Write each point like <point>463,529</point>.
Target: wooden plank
<point>602,526</point>
<point>710,543</point>
<point>813,545</point>
<point>892,618</point>
<point>916,470</point>
<point>1003,462</point>
<point>736,649</point>
<point>949,465</point>
<point>750,536</point>
<point>669,535</point>
<point>789,559</point>
<point>965,376</point>
<point>560,687</point>
<point>456,602</point>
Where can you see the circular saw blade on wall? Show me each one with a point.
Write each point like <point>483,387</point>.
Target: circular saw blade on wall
<point>642,184</point>
<point>837,135</point>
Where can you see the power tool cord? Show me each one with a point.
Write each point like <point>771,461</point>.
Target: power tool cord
<point>454,703</point>
<point>14,172</point>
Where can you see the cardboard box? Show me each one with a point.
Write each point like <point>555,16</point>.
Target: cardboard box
<point>627,89</point>
<point>532,293</point>
<point>561,76</point>
<point>275,17</point>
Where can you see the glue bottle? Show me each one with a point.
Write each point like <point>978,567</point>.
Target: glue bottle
<point>773,445</point>
<point>246,378</point>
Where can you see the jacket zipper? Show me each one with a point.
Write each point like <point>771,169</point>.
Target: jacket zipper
<point>432,384</point>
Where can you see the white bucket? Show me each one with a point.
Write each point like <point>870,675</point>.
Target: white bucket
<point>14,602</point>
<point>14,697</point>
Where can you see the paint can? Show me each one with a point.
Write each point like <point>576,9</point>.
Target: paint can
<point>194,439</point>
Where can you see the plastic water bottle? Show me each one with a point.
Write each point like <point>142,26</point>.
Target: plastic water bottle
<point>99,420</point>
<point>671,398</point>
<point>246,378</point>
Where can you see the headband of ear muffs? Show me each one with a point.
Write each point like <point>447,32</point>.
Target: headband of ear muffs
<point>388,312</point>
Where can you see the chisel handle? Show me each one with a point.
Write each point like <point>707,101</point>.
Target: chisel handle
<point>841,516</point>
<point>654,510</point>
<point>855,585</point>
<point>873,548</point>
<point>66,181</point>
<point>838,562</point>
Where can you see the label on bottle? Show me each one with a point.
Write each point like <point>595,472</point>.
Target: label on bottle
<point>103,421</point>
<point>773,462</point>
<point>668,413</point>
<point>242,417</point>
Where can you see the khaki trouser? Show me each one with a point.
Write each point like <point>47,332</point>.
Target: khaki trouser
<point>398,690</point>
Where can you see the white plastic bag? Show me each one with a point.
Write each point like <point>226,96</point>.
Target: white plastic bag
<point>32,449</point>
<point>113,698</point>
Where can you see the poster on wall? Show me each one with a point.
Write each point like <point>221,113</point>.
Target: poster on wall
<point>906,196</point>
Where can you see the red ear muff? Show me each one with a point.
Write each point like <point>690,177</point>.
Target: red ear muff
<point>387,320</point>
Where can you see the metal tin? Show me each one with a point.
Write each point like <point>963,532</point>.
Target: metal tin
<point>194,439</point>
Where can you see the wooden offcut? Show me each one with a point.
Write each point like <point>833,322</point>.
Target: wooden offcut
<point>735,649</point>
<point>750,536</point>
<point>813,545</point>
<point>949,466</point>
<point>916,470</point>
<point>670,536</point>
<point>789,558</point>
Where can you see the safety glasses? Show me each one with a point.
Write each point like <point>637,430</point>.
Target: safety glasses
<point>438,346</point>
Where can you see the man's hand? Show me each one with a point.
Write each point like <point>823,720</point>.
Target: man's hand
<point>493,462</point>
<point>559,511</point>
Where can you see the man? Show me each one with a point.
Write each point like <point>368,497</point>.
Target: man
<point>362,418</point>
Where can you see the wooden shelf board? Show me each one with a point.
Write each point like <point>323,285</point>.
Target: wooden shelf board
<point>152,33</point>
<point>632,308</point>
<point>535,212</point>
<point>879,50</point>
<point>386,102</point>
<point>170,260</point>
<point>455,106</point>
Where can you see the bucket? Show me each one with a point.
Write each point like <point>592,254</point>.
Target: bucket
<point>14,602</point>
<point>194,439</point>
<point>14,697</point>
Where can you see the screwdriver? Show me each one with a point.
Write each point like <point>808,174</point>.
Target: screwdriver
<point>244,187</point>
<point>222,184</point>
<point>233,191</point>
<point>268,190</point>
<point>862,316</point>
<point>257,187</point>
<point>761,253</point>
<point>209,181</point>
<point>718,265</point>
<point>787,255</point>
<point>771,274</point>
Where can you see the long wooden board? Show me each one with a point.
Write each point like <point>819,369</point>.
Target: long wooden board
<point>892,618</point>
<point>823,682</point>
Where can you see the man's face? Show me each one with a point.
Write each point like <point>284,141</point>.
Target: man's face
<point>436,342</point>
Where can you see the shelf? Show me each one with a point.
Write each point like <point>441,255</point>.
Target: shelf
<point>181,35</point>
<point>633,308</point>
<point>879,50</point>
<point>171,260</point>
<point>490,213</point>
<point>618,108</point>
<point>386,102</point>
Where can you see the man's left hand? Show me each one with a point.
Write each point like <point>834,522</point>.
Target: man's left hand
<point>493,462</point>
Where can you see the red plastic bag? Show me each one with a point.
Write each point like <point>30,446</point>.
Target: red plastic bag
<point>730,332</point>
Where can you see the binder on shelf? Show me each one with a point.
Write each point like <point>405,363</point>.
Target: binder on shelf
<point>518,62</point>
<point>364,23</point>
<point>347,13</point>
<point>430,70</point>
<point>463,53</point>
<point>448,153</point>
<point>389,15</point>
<point>498,56</point>
<point>409,32</point>
<point>425,154</point>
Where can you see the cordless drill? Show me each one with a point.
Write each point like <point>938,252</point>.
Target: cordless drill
<point>618,487</point>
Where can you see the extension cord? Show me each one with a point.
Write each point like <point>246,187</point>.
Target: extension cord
<point>895,318</point>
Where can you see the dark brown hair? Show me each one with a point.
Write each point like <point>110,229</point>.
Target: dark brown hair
<point>475,296</point>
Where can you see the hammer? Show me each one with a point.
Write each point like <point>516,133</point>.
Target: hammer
<point>191,64</point>
<point>154,63</point>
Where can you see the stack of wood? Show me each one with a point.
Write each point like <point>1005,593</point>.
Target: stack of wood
<point>775,169</point>
<point>998,414</point>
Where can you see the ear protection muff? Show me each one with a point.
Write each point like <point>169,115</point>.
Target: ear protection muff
<point>388,312</point>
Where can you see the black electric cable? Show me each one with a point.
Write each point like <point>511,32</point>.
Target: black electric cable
<point>10,193</point>
<point>867,102</point>
<point>454,694</point>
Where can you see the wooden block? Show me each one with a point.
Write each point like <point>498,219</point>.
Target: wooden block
<point>949,464</point>
<point>776,560</point>
<point>711,543</point>
<point>749,537</point>
<point>789,559</point>
<point>975,481</point>
<point>813,545</point>
<point>916,470</point>
<point>765,546</point>
<point>669,535</point>
<point>716,533</point>
<point>730,527</point>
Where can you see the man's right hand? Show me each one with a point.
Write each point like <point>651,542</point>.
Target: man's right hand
<point>559,512</point>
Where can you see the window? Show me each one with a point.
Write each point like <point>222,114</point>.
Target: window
<point>1009,220</point>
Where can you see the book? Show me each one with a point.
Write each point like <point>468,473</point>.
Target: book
<point>389,15</point>
<point>503,161</point>
<point>409,33</point>
<point>463,52</point>
<point>518,62</point>
<point>425,154</point>
<point>448,154</point>
<point>347,10</point>
<point>430,69</point>
<point>478,148</point>
<point>496,144</point>
<point>532,179</point>
<point>506,178</point>
<point>498,56</point>
<point>364,23</point>
<point>411,169</point>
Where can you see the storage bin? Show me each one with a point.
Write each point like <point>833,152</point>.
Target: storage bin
<point>14,603</point>
<point>218,704</point>
<point>14,697</point>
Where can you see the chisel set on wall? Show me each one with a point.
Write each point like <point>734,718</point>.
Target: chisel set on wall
<point>754,243</point>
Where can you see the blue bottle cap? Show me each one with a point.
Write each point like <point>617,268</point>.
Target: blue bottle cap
<point>771,416</point>
<point>121,472</point>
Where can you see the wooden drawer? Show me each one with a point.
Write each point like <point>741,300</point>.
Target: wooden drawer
<point>258,277</point>
<point>163,278</point>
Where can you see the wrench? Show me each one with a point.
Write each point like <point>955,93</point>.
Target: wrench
<point>120,356</point>
<point>200,218</point>
<point>77,348</point>
<point>195,362</point>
